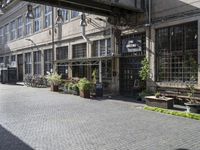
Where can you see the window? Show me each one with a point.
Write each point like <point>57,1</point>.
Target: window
<point>106,69</point>
<point>177,54</point>
<point>65,14</point>
<point>47,61</point>
<point>37,62</point>
<point>1,36</point>
<point>1,60</point>
<point>62,53</point>
<point>74,14</point>
<point>12,58</point>
<point>79,71</point>
<point>12,30</point>
<point>28,63</point>
<point>37,21</point>
<point>48,16</point>
<point>79,50</point>
<point>7,61</point>
<point>20,27</point>
<point>6,33</point>
<point>28,26</point>
<point>102,48</point>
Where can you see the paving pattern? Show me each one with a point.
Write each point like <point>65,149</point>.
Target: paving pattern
<point>32,118</point>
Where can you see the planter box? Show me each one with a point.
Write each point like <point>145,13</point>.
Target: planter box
<point>192,108</point>
<point>161,102</point>
<point>54,88</point>
<point>85,94</point>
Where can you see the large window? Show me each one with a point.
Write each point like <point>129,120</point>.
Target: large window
<point>12,30</point>
<point>20,27</point>
<point>37,21</point>
<point>6,33</point>
<point>28,63</point>
<point>1,35</point>
<point>74,13</point>
<point>37,62</point>
<point>62,53</point>
<point>177,53</point>
<point>28,26</point>
<point>65,14</point>
<point>1,60</point>
<point>47,61</point>
<point>79,50</point>
<point>48,16</point>
<point>101,48</point>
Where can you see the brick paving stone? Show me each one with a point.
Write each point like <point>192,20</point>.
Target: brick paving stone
<point>32,118</point>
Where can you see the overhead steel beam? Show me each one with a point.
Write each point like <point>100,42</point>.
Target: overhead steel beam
<point>100,7</point>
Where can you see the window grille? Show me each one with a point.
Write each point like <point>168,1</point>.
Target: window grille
<point>177,53</point>
<point>37,62</point>
<point>48,16</point>
<point>20,27</point>
<point>37,21</point>
<point>28,63</point>
<point>62,53</point>
<point>79,50</point>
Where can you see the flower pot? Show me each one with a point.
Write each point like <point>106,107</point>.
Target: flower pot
<point>85,94</point>
<point>192,108</point>
<point>54,88</point>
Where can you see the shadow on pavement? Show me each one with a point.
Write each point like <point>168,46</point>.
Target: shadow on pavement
<point>8,141</point>
<point>181,149</point>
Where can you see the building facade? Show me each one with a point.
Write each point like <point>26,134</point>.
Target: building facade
<point>168,35</point>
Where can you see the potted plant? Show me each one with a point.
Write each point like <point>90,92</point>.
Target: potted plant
<point>84,87</point>
<point>157,94</point>
<point>192,106</point>
<point>54,79</point>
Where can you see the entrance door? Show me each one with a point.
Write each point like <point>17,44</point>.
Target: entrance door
<point>20,67</point>
<point>129,75</point>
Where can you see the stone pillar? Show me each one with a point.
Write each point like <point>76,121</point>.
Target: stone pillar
<point>32,62</point>
<point>150,54</point>
<point>198,53</point>
<point>42,62</point>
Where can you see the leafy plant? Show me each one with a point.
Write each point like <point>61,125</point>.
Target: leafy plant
<point>145,93</point>
<point>191,86</point>
<point>157,94</point>
<point>75,87</point>
<point>54,79</point>
<point>70,86</point>
<point>84,85</point>
<point>94,76</point>
<point>145,69</point>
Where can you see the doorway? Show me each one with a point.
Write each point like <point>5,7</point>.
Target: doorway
<point>129,75</point>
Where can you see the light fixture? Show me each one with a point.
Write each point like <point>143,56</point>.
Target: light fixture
<point>30,14</point>
<point>83,20</point>
<point>59,19</point>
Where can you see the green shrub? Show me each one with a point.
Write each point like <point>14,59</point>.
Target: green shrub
<point>54,79</point>
<point>175,113</point>
<point>84,85</point>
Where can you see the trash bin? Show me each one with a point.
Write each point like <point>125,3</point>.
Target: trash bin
<point>12,75</point>
<point>9,75</point>
<point>99,90</point>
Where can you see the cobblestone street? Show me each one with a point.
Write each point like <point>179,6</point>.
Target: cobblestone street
<point>32,118</point>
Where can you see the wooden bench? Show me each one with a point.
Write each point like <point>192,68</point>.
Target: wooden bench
<point>180,95</point>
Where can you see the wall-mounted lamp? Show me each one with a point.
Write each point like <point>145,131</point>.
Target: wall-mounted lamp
<point>59,19</point>
<point>83,22</point>
<point>30,14</point>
